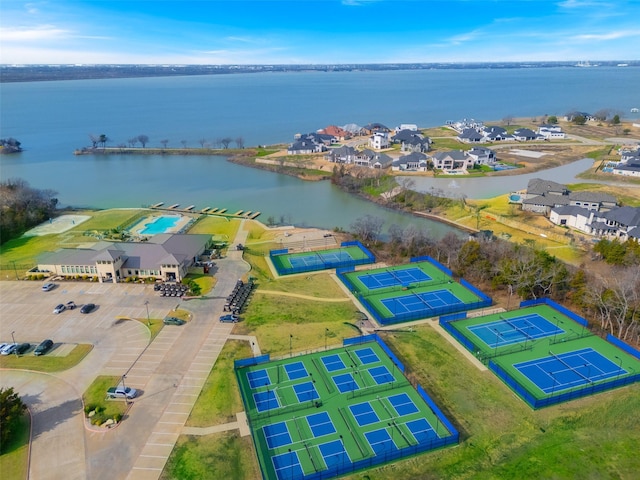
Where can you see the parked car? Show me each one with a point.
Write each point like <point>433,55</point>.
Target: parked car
<point>8,349</point>
<point>88,308</point>
<point>229,318</point>
<point>60,308</point>
<point>122,392</point>
<point>48,286</point>
<point>44,347</point>
<point>173,321</point>
<point>70,305</point>
<point>22,348</point>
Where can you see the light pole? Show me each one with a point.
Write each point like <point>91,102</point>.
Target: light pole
<point>619,367</point>
<point>558,322</point>
<point>326,331</point>
<point>146,304</point>
<point>124,387</point>
<point>437,422</point>
<point>15,346</point>
<point>290,340</point>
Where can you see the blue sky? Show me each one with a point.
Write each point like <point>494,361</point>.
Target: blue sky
<point>327,31</point>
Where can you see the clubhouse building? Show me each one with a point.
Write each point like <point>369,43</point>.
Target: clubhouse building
<point>164,257</point>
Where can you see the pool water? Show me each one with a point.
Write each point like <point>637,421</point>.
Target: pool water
<point>514,198</point>
<point>159,225</point>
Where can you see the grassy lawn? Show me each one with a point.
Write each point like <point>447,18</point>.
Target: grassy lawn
<point>205,281</point>
<point>46,363</point>
<point>108,219</point>
<point>212,457</point>
<point>14,460</point>
<point>95,399</point>
<point>219,400</point>
<point>222,228</point>
<point>153,324</point>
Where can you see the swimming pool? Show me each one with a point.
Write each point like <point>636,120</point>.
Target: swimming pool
<point>159,225</point>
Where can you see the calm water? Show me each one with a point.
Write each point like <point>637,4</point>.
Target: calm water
<point>51,119</point>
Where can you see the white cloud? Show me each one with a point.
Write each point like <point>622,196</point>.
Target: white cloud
<point>34,34</point>
<point>609,36</point>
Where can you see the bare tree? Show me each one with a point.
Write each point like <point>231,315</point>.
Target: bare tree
<point>184,143</point>
<point>133,141</point>
<point>239,142</point>
<point>367,228</point>
<point>164,142</point>
<point>225,142</point>
<point>95,139</point>
<point>143,139</point>
<point>202,141</point>
<point>508,119</point>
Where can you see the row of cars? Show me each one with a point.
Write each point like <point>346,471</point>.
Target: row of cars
<point>21,348</point>
<point>86,308</point>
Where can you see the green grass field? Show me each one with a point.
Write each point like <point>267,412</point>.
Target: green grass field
<point>353,382</point>
<point>46,363</point>
<point>95,400</point>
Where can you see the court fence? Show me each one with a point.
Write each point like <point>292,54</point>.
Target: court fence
<point>323,263</point>
<point>565,311</point>
<point>623,346</point>
<point>579,392</point>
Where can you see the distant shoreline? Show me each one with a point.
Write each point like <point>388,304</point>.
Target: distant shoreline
<point>42,73</point>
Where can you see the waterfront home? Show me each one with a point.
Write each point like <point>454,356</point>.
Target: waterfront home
<point>371,159</point>
<point>495,133</point>
<point>619,223</point>
<point>453,160</point>
<point>470,135</point>
<point>344,154</point>
<point>407,126</point>
<point>353,129</point>
<point>305,147</point>
<point>339,133</point>
<point>164,256</point>
<point>465,124</point>
<point>482,156</point>
<point>371,128</point>
<point>542,196</point>
<point>628,169</point>
<point>413,162</point>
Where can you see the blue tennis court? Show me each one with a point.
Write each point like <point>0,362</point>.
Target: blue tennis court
<point>277,435</point>
<point>390,278</point>
<point>345,383</point>
<point>421,430</point>
<point>366,355</point>
<point>381,375</point>
<point>305,392</point>
<point>296,370</point>
<point>333,363</point>
<point>417,302</point>
<point>564,371</point>
<point>380,441</point>
<point>334,453</point>
<point>507,331</point>
<point>364,413</point>
<point>402,404</point>
<point>320,258</point>
<point>266,400</point>
<point>320,424</point>
<point>287,466</point>
<point>258,378</point>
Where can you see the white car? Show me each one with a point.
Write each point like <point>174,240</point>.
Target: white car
<point>59,309</point>
<point>48,286</point>
<point>8,349</point>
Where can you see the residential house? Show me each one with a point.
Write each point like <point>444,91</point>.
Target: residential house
<point>470,135</point>
<point>165,256</point>
<point>407,126</point>
<point>339,133</point>
<point>597,201</point>
<point>415,161</point>
<point>344,154</point>
<point>305,147</point>
<point>379,140</point>
<point>495,133</point>
<point>543,196</point>
<point>411,141</point>
<point>368,158</point>
<point>621,223</point>
<point>628,169</point>
<point>353,129</point>
<point>372,128</point>
<point>465,124</point>
<point>571,216</point>
<point>452,160</point>
<point>525,135</point>
<point>482,156</point>
<point>550,132</point>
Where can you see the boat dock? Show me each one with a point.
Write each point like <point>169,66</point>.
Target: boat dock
<point>215,211</point>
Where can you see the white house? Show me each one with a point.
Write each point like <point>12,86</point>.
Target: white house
<point>452,160</point>
<point>415,161</point>
<point>482,156</point>
<point>379,140</point>
<point>551,132</point>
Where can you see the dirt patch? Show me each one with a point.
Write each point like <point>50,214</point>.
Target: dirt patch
<point>57,225</point>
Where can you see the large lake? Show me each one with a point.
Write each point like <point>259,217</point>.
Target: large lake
<point>51,119</point>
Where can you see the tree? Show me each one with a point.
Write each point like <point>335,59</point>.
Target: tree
<point>552,120</point>
<point>103,139</point>
<point>367,228</point>
<point>184,143</point>
<point>239,142</point>
<point>143,139</point>
<point>616,120</point>
<point>579,120</point>
<point>202,142</point>
<point>602,114</point>
<point>164,142</point>
<point>507,119</point>
<point>225,142</point>
<point>94,140</point>
<point>11,411</point>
